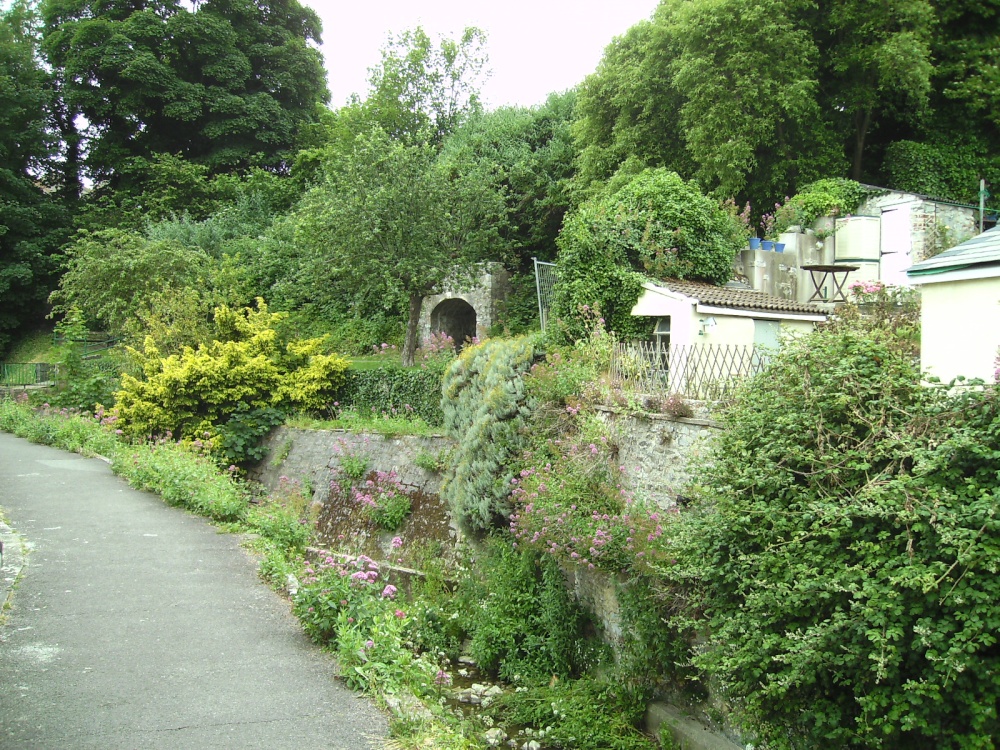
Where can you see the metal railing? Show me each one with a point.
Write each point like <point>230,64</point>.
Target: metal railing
<point>545,279</point>
<point>700,371</point>
<point>24,374</point>
<point>92,343</point>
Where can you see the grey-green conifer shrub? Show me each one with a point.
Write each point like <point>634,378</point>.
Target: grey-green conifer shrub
<point>486,409</point>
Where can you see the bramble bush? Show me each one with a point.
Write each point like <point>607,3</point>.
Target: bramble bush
<point>842,555</point>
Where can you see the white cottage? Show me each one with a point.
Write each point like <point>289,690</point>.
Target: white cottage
<point>960,308</point>
<point>690,312</point>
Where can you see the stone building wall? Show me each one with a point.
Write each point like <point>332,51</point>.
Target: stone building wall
<point>485,297</point>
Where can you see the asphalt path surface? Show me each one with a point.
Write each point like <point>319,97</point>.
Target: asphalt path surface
<point>137,625</point>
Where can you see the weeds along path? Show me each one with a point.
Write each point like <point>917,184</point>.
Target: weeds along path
<point>139,625</point>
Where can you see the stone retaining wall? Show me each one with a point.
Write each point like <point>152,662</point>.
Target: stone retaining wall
<point>659,452</point>
<point>313,456</point>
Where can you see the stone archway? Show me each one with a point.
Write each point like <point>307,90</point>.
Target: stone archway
<point>457,318</point>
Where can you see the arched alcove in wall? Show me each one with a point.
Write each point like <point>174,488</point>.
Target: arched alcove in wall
<point>457,318</point>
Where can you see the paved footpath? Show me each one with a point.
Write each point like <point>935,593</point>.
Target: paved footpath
<point>137,625</point>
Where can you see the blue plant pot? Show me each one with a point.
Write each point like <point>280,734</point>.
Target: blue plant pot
<point>754,243</point>
<point>767,244</point>
<point>779,247</point>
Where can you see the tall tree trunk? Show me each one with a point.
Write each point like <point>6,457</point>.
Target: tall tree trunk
<point>863,121</point>
<point>410,346</point>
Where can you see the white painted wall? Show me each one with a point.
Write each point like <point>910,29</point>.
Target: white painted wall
<point>960,328</point>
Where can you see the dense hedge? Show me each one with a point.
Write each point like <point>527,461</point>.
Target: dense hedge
<point>948,170</point>
<point>846,545</point>
<point>407,391</point>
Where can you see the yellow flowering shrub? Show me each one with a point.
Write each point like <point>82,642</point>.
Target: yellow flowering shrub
<point>245,371</point>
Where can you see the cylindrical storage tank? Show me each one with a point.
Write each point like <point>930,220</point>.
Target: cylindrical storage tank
<point>867,271</point>
<point>858,240</point>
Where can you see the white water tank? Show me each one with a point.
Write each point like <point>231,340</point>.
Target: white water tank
<point>858,240</point>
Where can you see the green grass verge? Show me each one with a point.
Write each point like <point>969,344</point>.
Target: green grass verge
<point>37,346</point>
<point>382,425</point>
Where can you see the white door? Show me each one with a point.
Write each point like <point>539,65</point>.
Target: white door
<point>896,246</point>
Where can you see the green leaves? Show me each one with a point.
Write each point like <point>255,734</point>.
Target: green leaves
<point>227,84</point>
<point>845,543</point>
<point>485,409</point>
<point>654,222</point>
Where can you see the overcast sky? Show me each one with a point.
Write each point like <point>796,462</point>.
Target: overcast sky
<point>535,46</point>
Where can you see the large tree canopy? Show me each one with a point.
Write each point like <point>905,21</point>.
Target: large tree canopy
<point>757,98</point>
<point>227,84</point>
<point>29,222</point>
<point>396,219</point>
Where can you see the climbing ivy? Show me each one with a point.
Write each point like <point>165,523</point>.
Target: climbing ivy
<point>949,170</point>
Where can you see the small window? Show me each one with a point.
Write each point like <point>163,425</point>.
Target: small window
<point>661,342</point>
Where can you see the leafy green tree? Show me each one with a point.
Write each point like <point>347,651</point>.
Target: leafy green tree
<point>111,274</point>
<point>876,68</point>
<point>967,78</point>
<point>31,223</point>
<point>422,90</point>
<point>653,222</point>
<point>751,117</point>
<point>531,150</point>
<point>627,109</point>
<point>226,84</point>
<point>753,98</point>
<point>396,219</point>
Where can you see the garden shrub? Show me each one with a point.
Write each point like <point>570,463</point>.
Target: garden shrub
<point>485,411</point>
<point>411,391</point>
<point>846,547</point>
<point>527,627</point>
<point>347,603</point>
<point>655,223</point>
<point>570,370</point>
<point>829,197</point>
<point>242,375</point>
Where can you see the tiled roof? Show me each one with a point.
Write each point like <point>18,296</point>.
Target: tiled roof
<point>981,249</point>
<point>741,299</point>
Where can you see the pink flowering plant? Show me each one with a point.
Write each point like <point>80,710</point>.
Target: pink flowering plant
<point>345,601</point>
<point>384,500</point>
<point>571,501</point>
